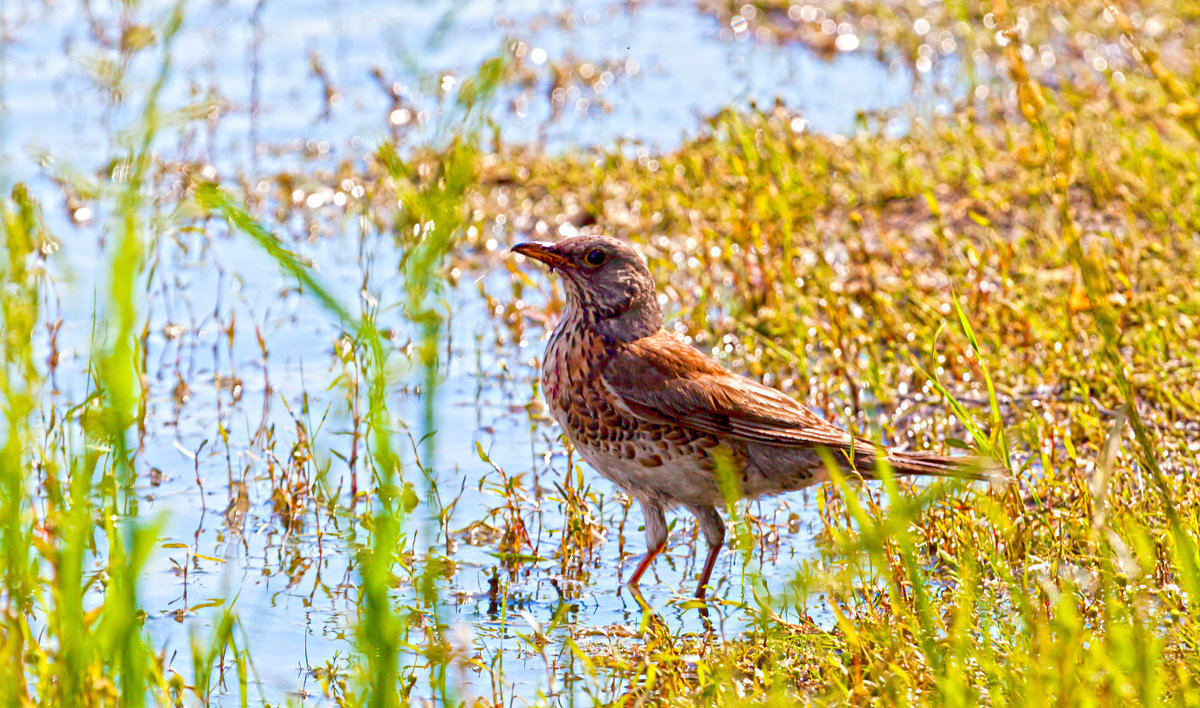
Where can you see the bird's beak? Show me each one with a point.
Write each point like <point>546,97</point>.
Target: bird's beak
<point>544,252</point>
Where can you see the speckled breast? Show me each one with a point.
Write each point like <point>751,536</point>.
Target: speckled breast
<point>627,450</point>
<point>571,371</point>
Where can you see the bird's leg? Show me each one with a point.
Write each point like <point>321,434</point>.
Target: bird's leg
<point>714,532</point>
<point>656,539</point>
<point>709,563</point>
<point>644,565</point>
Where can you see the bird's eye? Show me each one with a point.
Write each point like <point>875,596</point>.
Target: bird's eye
<point>595,257</point>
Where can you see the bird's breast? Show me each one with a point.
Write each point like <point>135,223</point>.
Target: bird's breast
<point>667,462</point>
<point>571,372</point>
<point>564,350</point>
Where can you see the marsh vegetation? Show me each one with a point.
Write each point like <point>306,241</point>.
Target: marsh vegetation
<point>272,432</point>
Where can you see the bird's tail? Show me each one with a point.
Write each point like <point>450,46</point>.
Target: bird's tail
<point>924,463</point>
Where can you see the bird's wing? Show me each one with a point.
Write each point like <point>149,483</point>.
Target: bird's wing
<point>662,380</point>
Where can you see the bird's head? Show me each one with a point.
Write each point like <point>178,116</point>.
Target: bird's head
<point>606,280</point>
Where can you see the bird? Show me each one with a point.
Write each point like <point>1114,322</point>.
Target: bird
<point>658,418</point>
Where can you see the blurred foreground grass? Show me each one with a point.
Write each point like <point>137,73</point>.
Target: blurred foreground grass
<point>1016,273</point>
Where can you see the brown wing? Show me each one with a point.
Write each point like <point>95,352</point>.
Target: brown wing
<point>662,380</point>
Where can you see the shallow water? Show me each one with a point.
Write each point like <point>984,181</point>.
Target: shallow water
<point>295,587</point>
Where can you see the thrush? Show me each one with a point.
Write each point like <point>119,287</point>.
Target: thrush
<point>659,418</point>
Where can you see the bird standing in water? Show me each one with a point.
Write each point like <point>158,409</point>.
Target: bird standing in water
<point>656,417</point>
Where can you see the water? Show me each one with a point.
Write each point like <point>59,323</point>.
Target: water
<point>295,587</point>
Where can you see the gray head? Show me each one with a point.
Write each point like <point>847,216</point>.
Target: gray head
<point>606,280</point>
